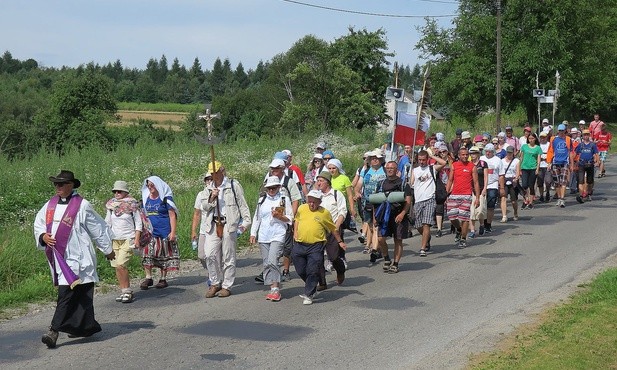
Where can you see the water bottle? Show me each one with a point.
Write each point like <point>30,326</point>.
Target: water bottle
<point>239,231</point>
<point>194,244</point>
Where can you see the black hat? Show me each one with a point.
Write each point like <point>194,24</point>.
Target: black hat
<point>65,176</point>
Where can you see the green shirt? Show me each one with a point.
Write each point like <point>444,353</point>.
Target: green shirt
<point>530,156</point>
<point>341,183</point>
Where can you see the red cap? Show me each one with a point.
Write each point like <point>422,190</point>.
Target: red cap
<point>527,128</point>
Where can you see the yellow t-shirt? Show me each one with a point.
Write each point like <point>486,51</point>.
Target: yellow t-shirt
<point>313,227</point>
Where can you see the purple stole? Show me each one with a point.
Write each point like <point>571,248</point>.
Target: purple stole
<point>62,238</point>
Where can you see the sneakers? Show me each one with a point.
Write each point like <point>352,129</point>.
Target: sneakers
<point>274,295</point>
<point>260,278</point>
<point>212,291</point>
<point>224,293</point>
<point>422,252</point>
<point>328,265</point>
<point>524,206</point>
<point>125,297</point>
<point>307,299</point>
<point>285,276</point>
<point>50,338</point>
<point>161,284</point>
<point>562,203</point>
<point>462,244</point>
<point>541,198</point>
<point>530,206</point>
<point>439,234</point>
<point>375,255</point>
<point>515,218</point>
<point>345,263</point>
<point>488,229</point>
<point>588,198</point>
<point>472,234</point>
<point>504,219</point>
<point>579,199</point>
<point>362,238</point>
<point>457,237</point>
<point>482,231</point>
<point>145,284</point>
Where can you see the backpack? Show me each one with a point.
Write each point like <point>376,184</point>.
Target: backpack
<point>440,188</point>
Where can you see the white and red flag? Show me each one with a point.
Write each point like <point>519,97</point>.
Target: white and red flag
<point>407,128</point>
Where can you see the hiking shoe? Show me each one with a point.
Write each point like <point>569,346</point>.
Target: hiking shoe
<point>457,237</point>
<point>375,255</point>
<point>439,234</point>
<point>161,284</point>
<point>472,234</point>
<point>50,338</point>
<point>211,293</point>
<point>488,229</point>
<point>386,265</point>
<point>579,199</point>
<point>285,276</point>
<point>422,252</point>
<point>307,299</point>
<point>542,199</point>
<point>322,287</point>
<point>145,284</point>
<point>260,278</point>
<point>482,231</point>
<point>224,293</point>
<point>462,244</point>
<point>274,296</point>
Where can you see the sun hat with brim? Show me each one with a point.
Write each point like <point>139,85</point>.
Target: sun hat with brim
<point>65,176</point>
<point>474,149</point>
<point>489,148</point>
<point>543,133</point>
<point>465,135</point>
<point>495,140</point>
<point>272,181</point>
<point>326,175</point>
<point>217,164</point>
<point>120,186</point>
<point>586,132</point>
<point>509,149</point>
<point>277,163</point>
<point>477,138</point>
<point>315,194</point>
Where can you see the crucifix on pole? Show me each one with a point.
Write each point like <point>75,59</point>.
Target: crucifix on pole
<point>211,140</point>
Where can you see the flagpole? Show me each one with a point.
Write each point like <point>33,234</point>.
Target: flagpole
<point>393,129</point>
<point>419,116</point>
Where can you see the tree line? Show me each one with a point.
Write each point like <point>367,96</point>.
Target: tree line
<point>315,85</point>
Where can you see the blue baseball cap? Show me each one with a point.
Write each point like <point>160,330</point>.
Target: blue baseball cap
<point>561,127</point>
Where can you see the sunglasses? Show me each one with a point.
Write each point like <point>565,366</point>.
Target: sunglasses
<point>60,183</point>
<point>327,158</point>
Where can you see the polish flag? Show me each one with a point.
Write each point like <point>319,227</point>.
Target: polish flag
<point>406,125</point>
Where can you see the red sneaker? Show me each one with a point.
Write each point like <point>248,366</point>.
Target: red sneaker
<point>274,296</point>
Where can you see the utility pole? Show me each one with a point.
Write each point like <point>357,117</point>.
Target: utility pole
<point>498,70</point>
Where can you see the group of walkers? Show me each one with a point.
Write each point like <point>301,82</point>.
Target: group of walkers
<point>300,216</point>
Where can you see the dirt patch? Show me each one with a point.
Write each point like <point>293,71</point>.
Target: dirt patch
<point>132,115</point>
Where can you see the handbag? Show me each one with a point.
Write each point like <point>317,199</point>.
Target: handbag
<point>440,188</point>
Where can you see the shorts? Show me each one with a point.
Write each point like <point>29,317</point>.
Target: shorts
<point>560,174</point>
<point>512,190</point>
<point>478,213</point>
<point>582,171</point>
<point>544,178</point>
<point>459,207</point>
<point>492,195</point>
<point>424,212</point>
<point>123,251</point>
<point>603,156</point>
<point>397,231</point>
<point>367,213</point>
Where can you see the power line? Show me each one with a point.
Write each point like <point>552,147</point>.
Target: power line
<point>368,13</point>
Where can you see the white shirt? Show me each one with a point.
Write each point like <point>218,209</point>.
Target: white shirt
<point>202,196</point>
<point>494,169</point>
<point>267,228</point>
<point>80,256</point>
<point>544,148</point>
<point>423,184</point>
<point>511,168</point>
<point>336,207</point>
<point>124,226</point>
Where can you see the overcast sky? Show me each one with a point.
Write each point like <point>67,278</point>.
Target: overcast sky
<point>72,32</point>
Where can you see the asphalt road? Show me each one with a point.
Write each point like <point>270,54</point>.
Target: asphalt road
<point>432,314</point>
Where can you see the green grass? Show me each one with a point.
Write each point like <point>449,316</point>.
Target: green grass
<point>581,334</point>
<point>160,107</point>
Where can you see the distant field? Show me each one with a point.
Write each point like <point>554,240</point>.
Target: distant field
<point>166,120</point>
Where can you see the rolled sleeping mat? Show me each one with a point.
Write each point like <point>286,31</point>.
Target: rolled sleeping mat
<point>396,197</point>
<point>377,198</point>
